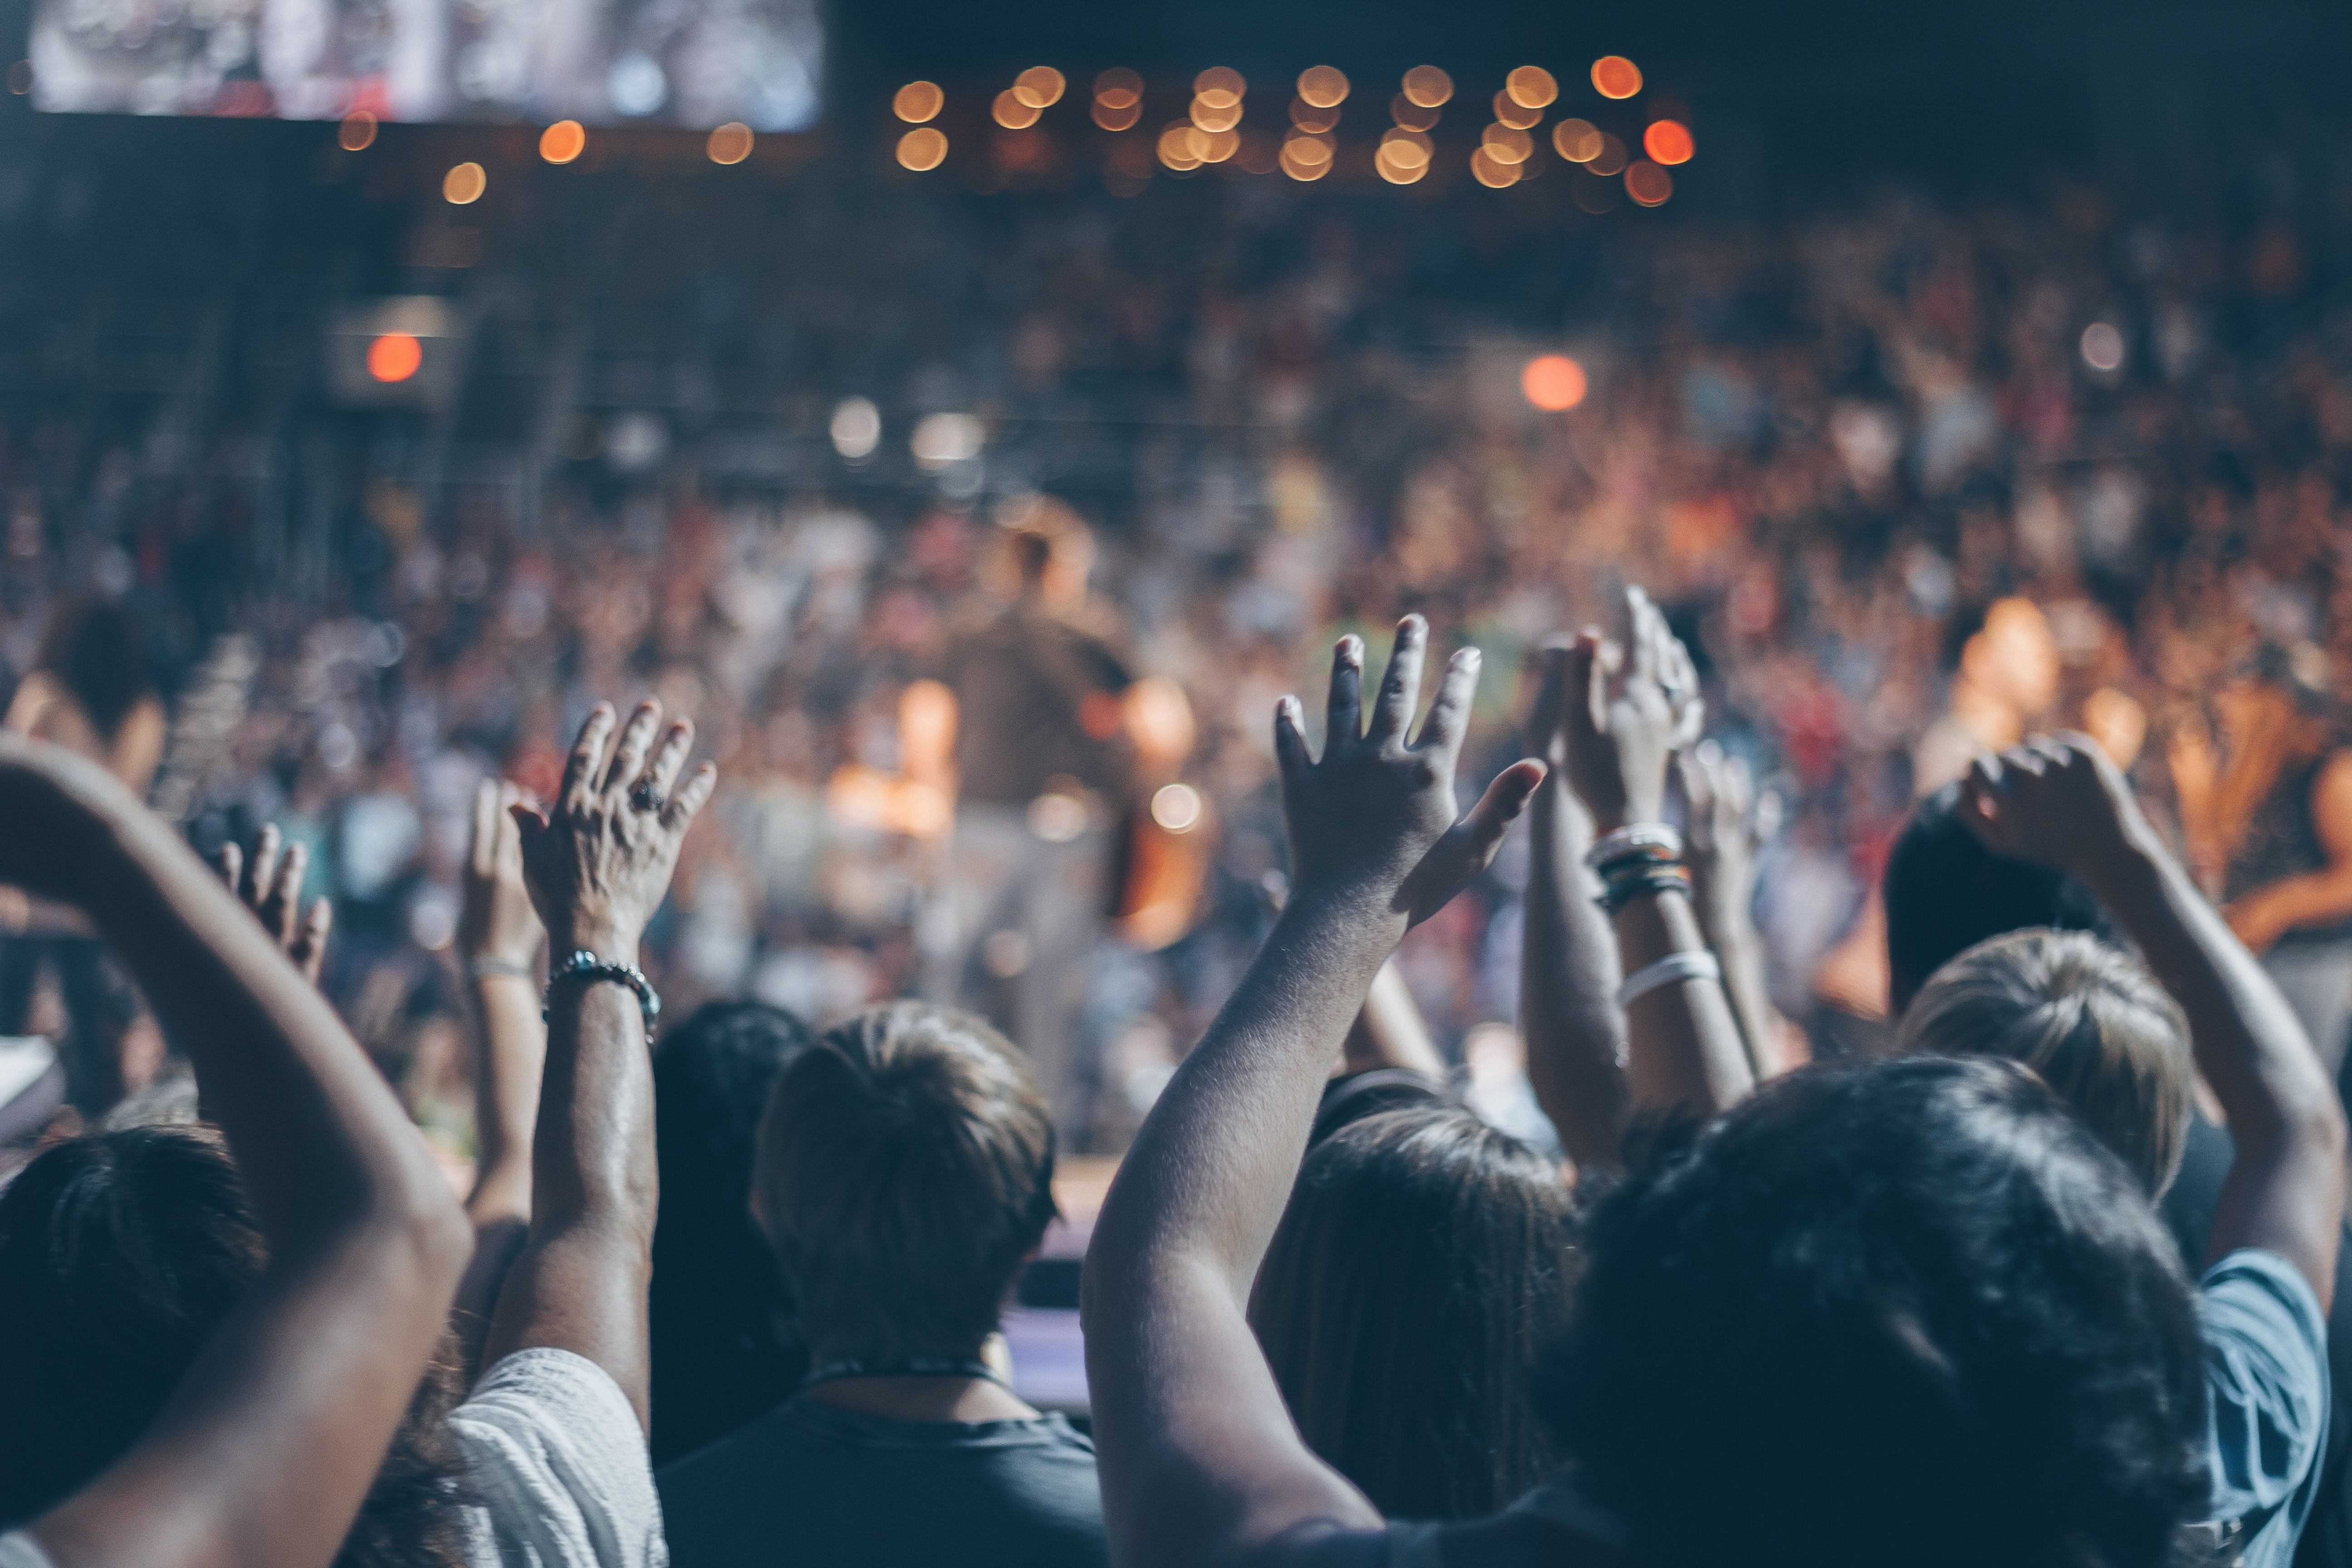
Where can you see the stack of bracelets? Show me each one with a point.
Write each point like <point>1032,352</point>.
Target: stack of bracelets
<point>1636,861</point>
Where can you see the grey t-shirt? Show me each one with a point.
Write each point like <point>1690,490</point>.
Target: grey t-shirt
<point>813,1486</point>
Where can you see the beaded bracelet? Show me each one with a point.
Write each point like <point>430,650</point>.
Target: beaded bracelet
<point>1640,881</point>
<point>1634,842</point>
<point>583,966</point>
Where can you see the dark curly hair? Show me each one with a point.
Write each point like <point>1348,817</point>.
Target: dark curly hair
<point>119,1254</point>
<point>1907,1311</point>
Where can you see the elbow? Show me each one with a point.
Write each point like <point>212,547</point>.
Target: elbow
<point>418,1214</point>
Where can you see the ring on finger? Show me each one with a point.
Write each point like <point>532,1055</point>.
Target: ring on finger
<point>646,797</point>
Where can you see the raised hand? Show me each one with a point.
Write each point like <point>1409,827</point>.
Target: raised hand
<point>1728,824</point>
<point>2056,800</point>
<point>599,862</point>
<point>1639,704</point>
<point>269,883</point>
<point>1375,816</point>
<point>495,920</point>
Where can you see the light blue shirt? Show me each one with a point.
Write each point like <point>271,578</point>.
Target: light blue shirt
<point>2266,1391</point>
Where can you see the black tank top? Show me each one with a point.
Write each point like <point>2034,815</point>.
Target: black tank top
<point>2282,841</point>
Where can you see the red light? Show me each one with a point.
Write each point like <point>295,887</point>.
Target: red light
<point>394,356</point>
<point>1553,383</point>
<point>1668,142</point>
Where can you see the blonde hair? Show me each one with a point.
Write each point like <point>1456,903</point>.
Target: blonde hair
<point>2087,1019</point>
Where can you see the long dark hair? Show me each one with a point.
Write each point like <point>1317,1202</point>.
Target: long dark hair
<point>120,1253</point>
<point>1421,1271</point>
<point>99,652</point>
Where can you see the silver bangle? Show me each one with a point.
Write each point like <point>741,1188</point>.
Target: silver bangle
<point>1635,839</point>
<point>584,967</point>
<point>1693,964</point>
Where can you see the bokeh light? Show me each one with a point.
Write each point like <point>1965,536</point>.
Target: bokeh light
<point>856,429</point>
<point>1308,117</point>
<point>1400,162</point>
<point>1515,115</point>
<point>1176,807</point>
<point>1531,87</point>
<point>1614,75</point>
<point>1492,172</point>
<point>2102,347</point>
<point>1323,87</point>
<point>563,142</point>
<point>1506,143</point>
<point>1610,159</point>
<point>1413,116</point>
<point>1553,383</point>
<point>1668,142</point>
<point>1577,140</point>
<point>1216,113</point>
<point>1009,111</point>
<point>1647,183</point>
<point>918,101</point>
<point>1039,86</point>
<point>464,183</point>
<point>1119,87</point>
<point>923,148</point>
<point>1426,86</point>
<point>1305,157</point>
<point>1220,145</point>
<point>1114,116</point>
<point>357,132</point>
<point>1222,84</point>
<point>729,144</point>
<point>394,356</point>
<point>1182,144</point>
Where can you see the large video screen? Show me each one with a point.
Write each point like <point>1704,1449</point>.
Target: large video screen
<point>693,63</point>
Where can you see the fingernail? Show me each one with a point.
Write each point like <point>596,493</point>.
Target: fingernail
<point>1351,648</point>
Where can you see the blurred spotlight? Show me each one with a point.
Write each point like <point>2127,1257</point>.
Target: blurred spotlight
<point>1013,114</point>
<point>1308,117</point>
<point>1176,807</point>
<point>922,149</point>
<point>1220,114</point>
<point>1577,140</point>
<point>1515,115</point>
<point>1492,172</point>
<point>731,143</point>
<point>1609,159</point>
<point>1531,87</point>
<point>1553,383</point>
<point>1323,87</point>
<point>1412,116</point>
<point>940,439</point>
<point>1648,185</point>
<point>1614,75</point>
<point>357,132</point>
<point>1401,163</point>
<point>1221,85</point>
<point>1507,144</point>
<point>1305,157</point>
<point>1668,142</point>
<point>1119,87</point>
<point>918,101</point>
<point>1593,194</point>
<point>20,81</point>
<point>1039,86</point>
<point>1113,116</point>
<point>464,183</point>
<point>1181,144</point>
<point>856,429</point>
<point>563,142</point>
<point>2102,347</point>
<point>394,356</point>
<point>1426,86</point>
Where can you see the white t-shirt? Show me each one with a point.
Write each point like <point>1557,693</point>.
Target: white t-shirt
<point>557,1464</point>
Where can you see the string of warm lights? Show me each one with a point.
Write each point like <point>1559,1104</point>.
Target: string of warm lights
<point>1211,129</point>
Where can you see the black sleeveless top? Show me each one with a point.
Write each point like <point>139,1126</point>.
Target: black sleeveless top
<point>2282,841</point>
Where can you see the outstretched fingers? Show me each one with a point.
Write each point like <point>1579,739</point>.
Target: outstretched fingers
<point>1345,719</point>
<point>309,948</point>
<point>629,755</point>
<point>1449,716</point>
<point>1290,741</point>
<point>670,760</point>
<point>482,848</point>
<point>580,769</point>
<point>1401,686</point>
<point>678,813</point>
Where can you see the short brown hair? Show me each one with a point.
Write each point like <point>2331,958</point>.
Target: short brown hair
<point>2088,1019</point>
<point>905,1174</point>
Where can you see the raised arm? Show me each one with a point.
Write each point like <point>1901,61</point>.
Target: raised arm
<point>269,883</point>
<point>1683,1050</point>
<point>1728,825</point>
<point>264,1454</point>
<point>2058,801</point>
<point>1199,1461</point>
<point>598,866</point>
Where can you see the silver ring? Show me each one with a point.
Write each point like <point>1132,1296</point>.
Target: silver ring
<point>645,797</point>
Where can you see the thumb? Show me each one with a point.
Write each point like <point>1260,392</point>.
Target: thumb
<point>1500,806</point>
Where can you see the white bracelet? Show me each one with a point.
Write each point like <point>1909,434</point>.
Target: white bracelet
<point>1631,841</point>
<point>1696,963</point>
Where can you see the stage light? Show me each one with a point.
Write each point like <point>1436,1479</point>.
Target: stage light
<point>1009,111</point>
<point>1609,159</point>
<point>2102,347</point>
<point>357,132</point>
<point>1517,116</point>
<point>922,149</point>
<point>1492,172</point>
<point>1426,86</point>
<point>394,356</point>
<point>1119,87</point>
<point>1039,86</point>
<point>1308,117</point>
<point>464,183</point>
<point>1577,140</point>
<point>563,142</point>
<point>856,429</point>
<point>1553,383</point>
<point>1221,83</point>
<point>1222,145</point>
<point>1323,87</point>
<point>1176,807</point>
<point>1506,143</point>
<point>1648,185</point>
<point>944,439</point>
<point>1614,75</point>
<point>1401,163</point>
<point>731,143</point>
<point>1417,147</point>
<point>1412,116</point>
<point>1215,117</point>
<point>1531,87</point>
<point>918,101</point>
<point>1116,116</point>
<point>1305,157</point>
<point>1668,142</point>
<point>1181,144</point>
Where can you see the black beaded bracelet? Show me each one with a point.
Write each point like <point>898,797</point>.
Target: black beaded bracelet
<point>586,967</point>
<point>1618,891</point>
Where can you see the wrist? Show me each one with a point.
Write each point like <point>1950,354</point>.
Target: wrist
<point>2124,869</point>
<point>613,943</point>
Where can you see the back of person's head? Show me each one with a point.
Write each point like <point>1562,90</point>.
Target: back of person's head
<point>120,1253</point>
<point>1420,1272</point>
<point>1945,892</point>
<point>95,650</point>
<point>904,1176</point>
<point>2088,1019</point>
<point>723,1350</point>
<point>1904,1312</point>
